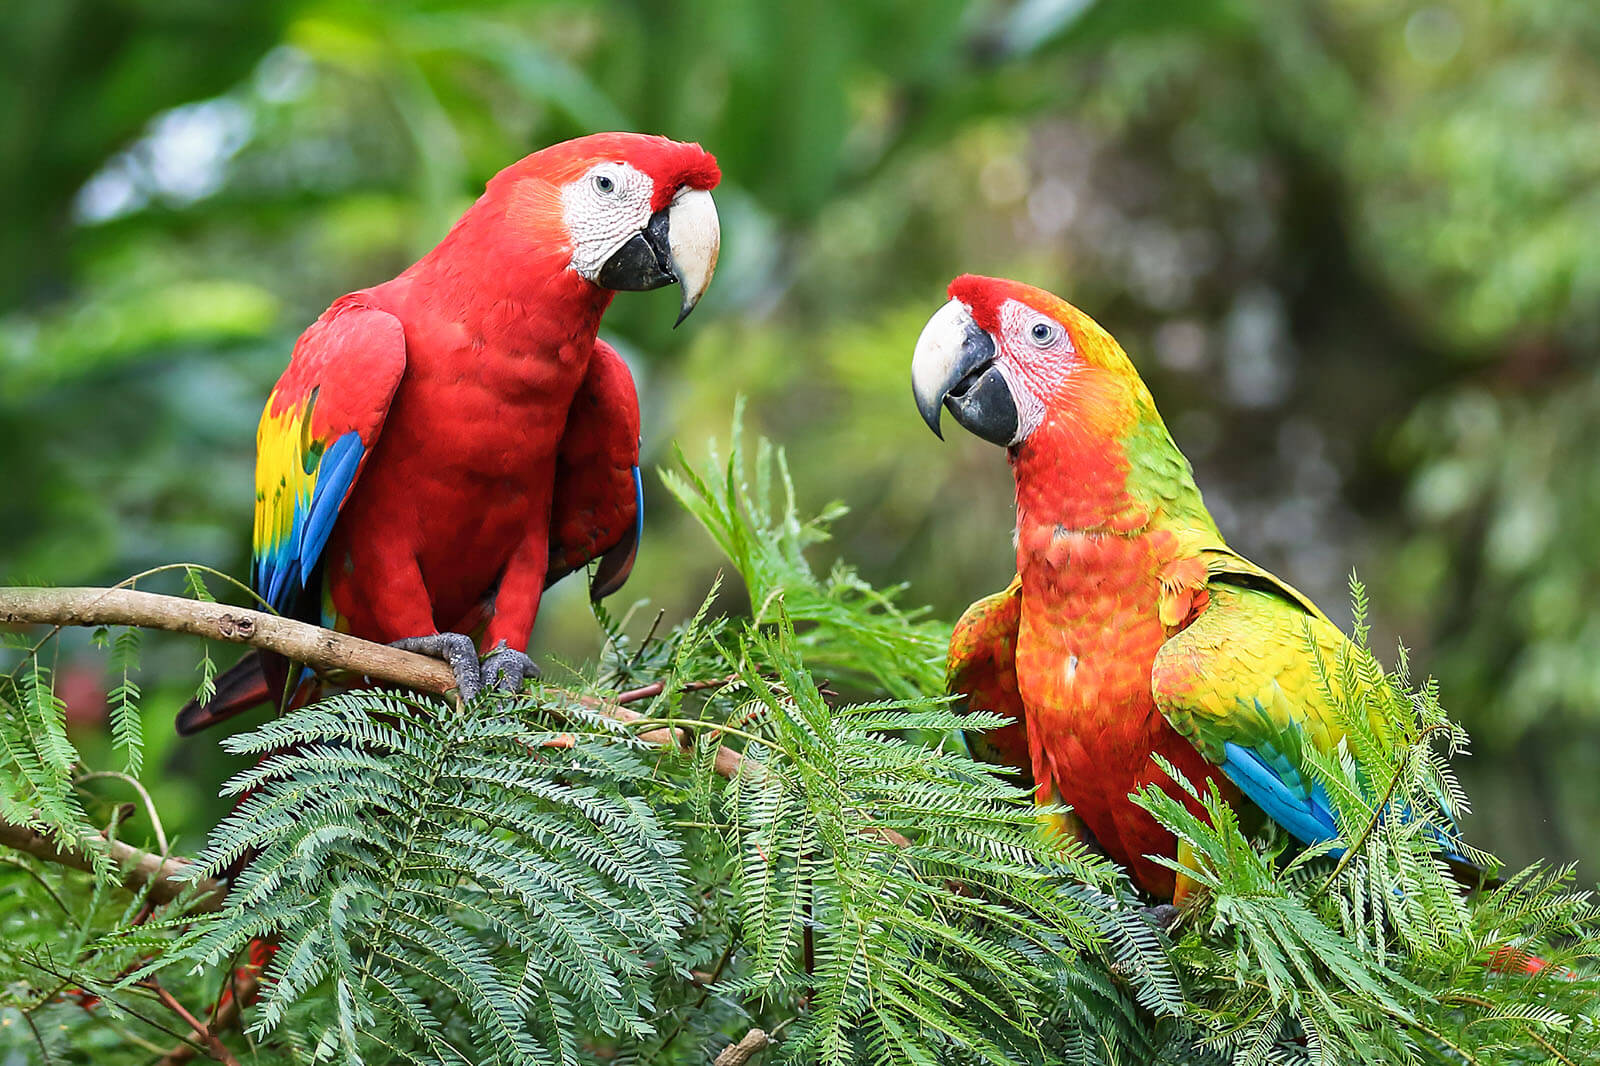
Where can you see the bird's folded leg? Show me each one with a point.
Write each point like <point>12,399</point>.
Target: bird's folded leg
<point>1187,894</point>
<point>456,649</point>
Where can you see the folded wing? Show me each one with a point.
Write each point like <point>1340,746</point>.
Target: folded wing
<point>320,425</point>
<point>982,666</point>
<point>597,511</point>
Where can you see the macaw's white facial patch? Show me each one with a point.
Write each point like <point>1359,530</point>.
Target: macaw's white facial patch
<point>1036,357</point>
<point>603,210</point>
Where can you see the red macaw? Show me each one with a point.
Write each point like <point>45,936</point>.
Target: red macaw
<point>444,446</point>
<point>1132,629</point>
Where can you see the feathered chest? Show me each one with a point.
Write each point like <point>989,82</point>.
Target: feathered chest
<point>1091,621</point>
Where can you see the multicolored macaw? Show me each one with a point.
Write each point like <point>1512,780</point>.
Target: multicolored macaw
<point>446,445</point>
<point>1132,629</point>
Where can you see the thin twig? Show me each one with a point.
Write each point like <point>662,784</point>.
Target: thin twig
<point>243,981</point>
<point>1549,1048</point>
<point>1465,1055</point>
<point>31,872</point>
<point>44,1051</point>
<point>149,804</point>
<point>648,636</point>
<point>218,1049</point>
<point>656,688</point>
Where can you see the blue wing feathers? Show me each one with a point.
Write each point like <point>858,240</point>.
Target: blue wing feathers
<point>334,477</point>
<point>617,562</point>
<point>1270,781</point>
<point>284,572</point>
<point>272,573</point>
<point>1306,813</point>
<point>638,500</point>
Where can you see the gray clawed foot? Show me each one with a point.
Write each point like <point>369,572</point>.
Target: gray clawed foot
<point>1164,915</point>
<point>505,668</point>
<point>459,651</point>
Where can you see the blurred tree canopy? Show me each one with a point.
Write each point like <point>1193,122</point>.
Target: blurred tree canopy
<point>1350,244</point>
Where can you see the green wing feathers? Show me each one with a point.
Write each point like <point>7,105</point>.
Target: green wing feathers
<point>1245,667</point>
<point>1243,683</point>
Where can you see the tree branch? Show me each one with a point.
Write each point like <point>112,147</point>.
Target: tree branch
<point>321,649</point>
<point>139,868</point>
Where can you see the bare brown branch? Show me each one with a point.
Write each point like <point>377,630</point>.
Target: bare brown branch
<point>321,649</point>
<point>138,868</point>
<point>217,1049</point>
<point>752,1044</point>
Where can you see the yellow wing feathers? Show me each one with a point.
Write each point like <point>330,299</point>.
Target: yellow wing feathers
<point>1250,654</point>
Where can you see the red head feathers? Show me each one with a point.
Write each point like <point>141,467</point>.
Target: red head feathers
<point>671,165</point>
<point>619,211</point>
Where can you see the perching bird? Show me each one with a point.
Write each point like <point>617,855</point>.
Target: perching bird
<point>444,446</point>
<point>1132,629</point>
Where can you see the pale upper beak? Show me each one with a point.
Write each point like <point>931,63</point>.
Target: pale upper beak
<point>679,244</point>
<point>694,238</point>
<point>954,366</point>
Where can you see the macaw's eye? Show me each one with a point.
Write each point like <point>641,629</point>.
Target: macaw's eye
<point>605,184</point>
<point>1043,333</point>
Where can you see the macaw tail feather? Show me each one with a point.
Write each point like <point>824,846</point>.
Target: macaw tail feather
<point>239,688</point>
<point>1470,875</point>
<point>1512,961</point>
<point>1518,963</point>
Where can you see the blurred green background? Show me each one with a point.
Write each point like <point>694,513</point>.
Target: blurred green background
<point>1351,245</point>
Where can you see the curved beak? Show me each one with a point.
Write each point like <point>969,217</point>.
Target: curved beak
<point>694,240</point>
<point>679,244</point>
<point>954,366</point>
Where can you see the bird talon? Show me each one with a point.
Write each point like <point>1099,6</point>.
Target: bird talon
<point>1164,915</point>
<point>505,669</point>
<point>456,649</point>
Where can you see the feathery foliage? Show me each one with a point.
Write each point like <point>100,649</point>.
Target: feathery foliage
<point>464,884</point>
<point>39,758</point>
<point>529,879</point>
<point>848,628</point>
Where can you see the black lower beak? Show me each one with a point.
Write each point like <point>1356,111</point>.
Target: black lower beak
<point>644,263</point>
<point>982,404</point>
<point>971,385</point>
